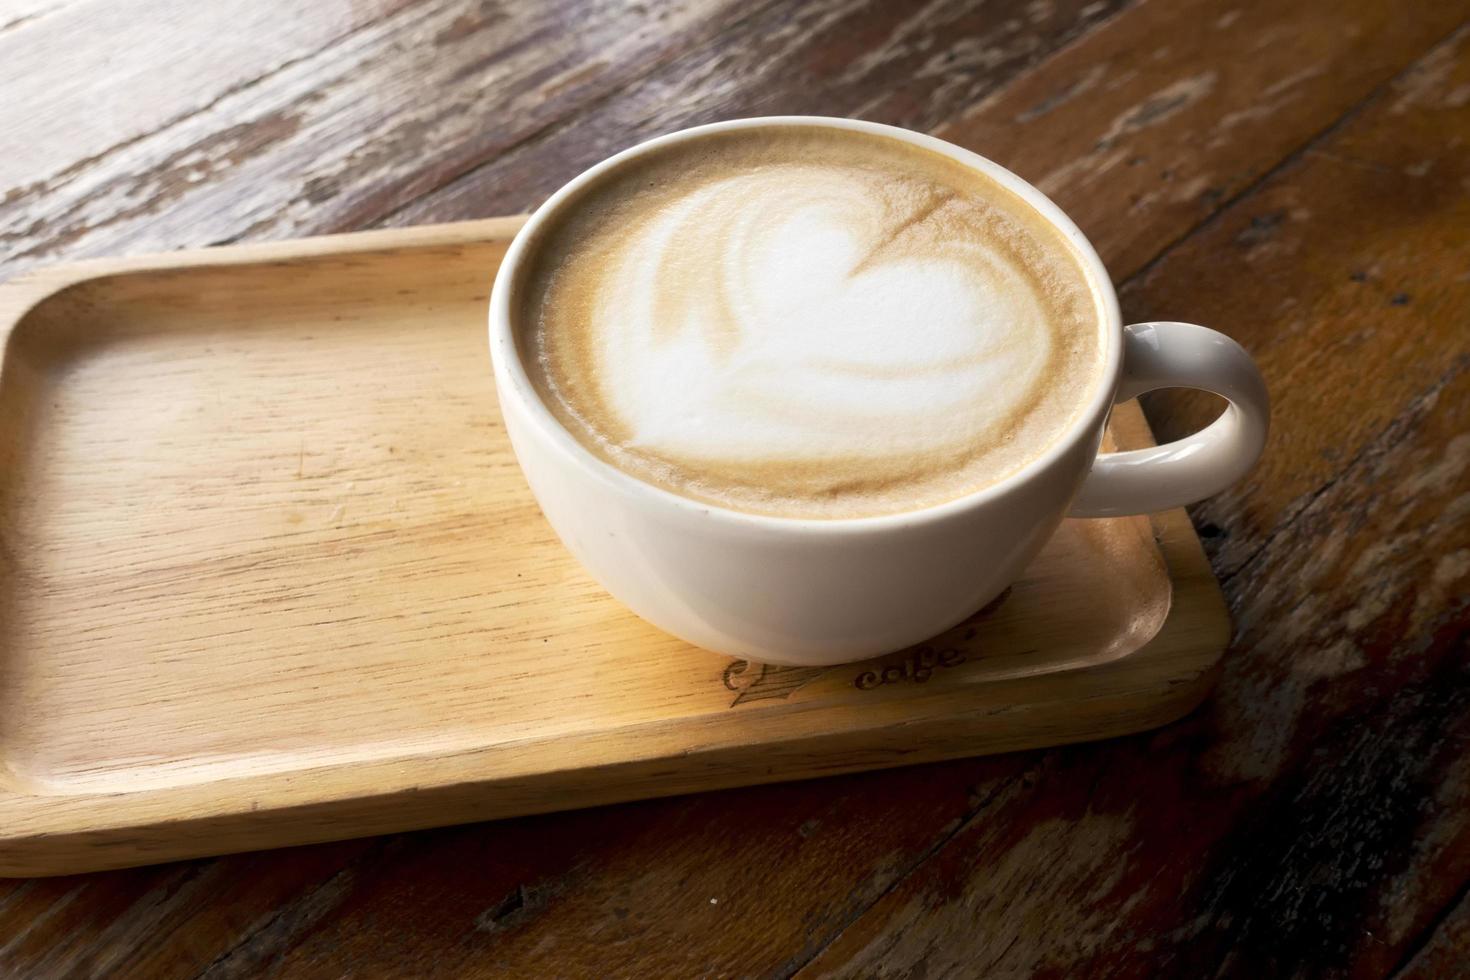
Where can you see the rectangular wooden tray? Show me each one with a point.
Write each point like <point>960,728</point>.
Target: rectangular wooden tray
<point>269,574</point>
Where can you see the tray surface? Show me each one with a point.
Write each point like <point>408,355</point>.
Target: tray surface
<point>269,574</point>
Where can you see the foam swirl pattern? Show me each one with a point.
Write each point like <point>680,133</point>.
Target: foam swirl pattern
<point>809,323</point>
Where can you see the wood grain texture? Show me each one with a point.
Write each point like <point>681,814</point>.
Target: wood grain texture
<point>327,139</point>
<point>1323,794</point>
<point>908,65</point>
<point>18,13</point>
<point>1146,128</point>
<point>1443,953</point>
<point>220,47</point>
<point>223,506</point>
<point>1308,817</point>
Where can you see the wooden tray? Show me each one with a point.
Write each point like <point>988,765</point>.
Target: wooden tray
<point>269,574</point>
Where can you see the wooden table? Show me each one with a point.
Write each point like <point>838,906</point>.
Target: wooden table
<point>1296,174</point>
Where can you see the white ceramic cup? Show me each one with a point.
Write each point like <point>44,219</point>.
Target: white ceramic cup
<point>809,591</point>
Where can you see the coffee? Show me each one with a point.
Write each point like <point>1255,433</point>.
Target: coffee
<point>807,322</point>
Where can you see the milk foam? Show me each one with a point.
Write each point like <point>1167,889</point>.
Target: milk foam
<point>811,333</point>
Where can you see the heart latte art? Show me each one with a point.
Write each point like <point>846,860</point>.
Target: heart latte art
<point>808,322</point>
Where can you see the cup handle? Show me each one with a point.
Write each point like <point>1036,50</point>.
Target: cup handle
<point>1180,355</point>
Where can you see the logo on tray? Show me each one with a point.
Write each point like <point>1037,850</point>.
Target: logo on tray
<point>768,682</point>
<point>917,666</point>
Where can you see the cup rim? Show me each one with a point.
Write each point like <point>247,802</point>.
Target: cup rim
<point>512,379</point>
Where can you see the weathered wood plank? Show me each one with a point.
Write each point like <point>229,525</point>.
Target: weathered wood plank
<point>88,78</point>
<point>725,884</point>
<point>1336,313</point>
<point>1446,950</point>
<point>16,14</point>
<point>1141,132</point>
<point>1315,815</point>
<point>397,108</point>
<point>909,65</point>
<point>1177,146</point>
<point>110,925</point>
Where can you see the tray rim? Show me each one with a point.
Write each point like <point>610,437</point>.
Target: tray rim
<point>54,833</point>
